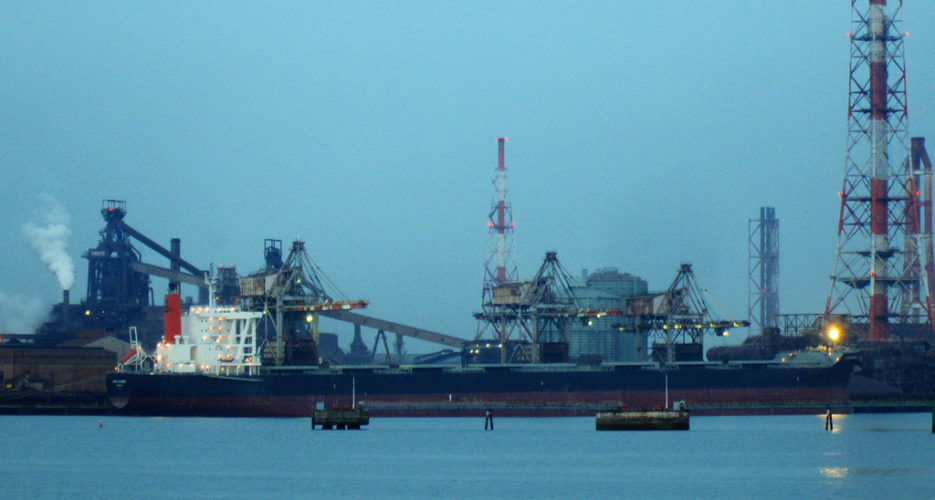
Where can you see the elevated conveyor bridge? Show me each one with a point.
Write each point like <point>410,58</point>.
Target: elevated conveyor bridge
<point>397,328</point>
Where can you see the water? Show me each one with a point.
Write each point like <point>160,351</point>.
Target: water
<point>867,456</point>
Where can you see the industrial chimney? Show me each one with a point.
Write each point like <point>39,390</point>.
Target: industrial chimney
<point>65,307</point>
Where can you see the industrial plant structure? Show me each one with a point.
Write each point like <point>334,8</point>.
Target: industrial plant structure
<point>600,339</point>
<point>882,279</point>
<point>500,271</point>
<point>763,283</point>
<point>605,323</point>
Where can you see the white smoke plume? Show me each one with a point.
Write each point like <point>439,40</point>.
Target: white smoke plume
<point>49,238</point>
<point>20,314</point>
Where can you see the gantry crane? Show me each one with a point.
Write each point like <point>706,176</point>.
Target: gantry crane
<point>540,309</point>
<point>291,298</point>
<point>676,320</point>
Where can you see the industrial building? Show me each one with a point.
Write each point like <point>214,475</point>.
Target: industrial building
<point>600,339</point>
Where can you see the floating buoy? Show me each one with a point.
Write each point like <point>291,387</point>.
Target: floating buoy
<point>100,424</point>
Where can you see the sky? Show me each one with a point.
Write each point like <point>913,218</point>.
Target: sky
<point>641,135</point>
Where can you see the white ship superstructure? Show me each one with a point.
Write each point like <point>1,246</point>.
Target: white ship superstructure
<point>212,340</point>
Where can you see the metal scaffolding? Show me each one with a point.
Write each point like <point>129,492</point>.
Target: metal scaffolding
<point>763,259</point>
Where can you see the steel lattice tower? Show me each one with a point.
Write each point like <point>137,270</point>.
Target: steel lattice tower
<point>500,267</point>
<point>501,229</point>
<point>876,278</point>
<point>763,257</point>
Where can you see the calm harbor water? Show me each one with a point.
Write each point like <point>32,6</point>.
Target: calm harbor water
<point>867,456</point>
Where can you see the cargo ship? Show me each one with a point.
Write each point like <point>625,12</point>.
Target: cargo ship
<point>208,364</point>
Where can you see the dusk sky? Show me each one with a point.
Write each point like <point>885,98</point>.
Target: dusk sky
<point>641,135</point>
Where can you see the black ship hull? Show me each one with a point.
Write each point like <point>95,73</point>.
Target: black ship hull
<point>531,390</point>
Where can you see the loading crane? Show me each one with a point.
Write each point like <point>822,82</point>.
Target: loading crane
<point>291,297</point>
<point>540,309</point>
<point>676,319</point>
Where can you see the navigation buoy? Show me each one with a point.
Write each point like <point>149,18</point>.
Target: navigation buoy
<point>100,424</point>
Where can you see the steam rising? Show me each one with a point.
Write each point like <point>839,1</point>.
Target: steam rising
<point>20,314</point>
<point>49,238</point>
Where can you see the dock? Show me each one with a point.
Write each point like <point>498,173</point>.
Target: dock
<point>53,403</point>
<point>662,420</point>
<point>340,419</point>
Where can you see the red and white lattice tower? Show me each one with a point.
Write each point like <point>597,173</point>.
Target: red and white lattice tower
<point>500,267</point>
<point>501,227</point>
<point>877,278</point>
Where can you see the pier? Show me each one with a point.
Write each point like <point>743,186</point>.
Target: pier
<point>340,419</point>
<point>663,420</point>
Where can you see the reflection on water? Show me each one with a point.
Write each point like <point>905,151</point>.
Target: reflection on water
<point>834,472</point>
